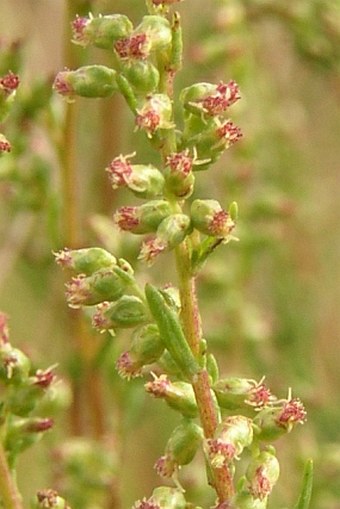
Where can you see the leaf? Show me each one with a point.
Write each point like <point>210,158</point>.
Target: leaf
<point>306,489</point>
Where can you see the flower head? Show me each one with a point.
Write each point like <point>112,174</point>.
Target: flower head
<point>120,170</point>
<point>5,145</point>
<point>136,46</point>
<point>9,83</point>
<point>151,249</point>
<point>78,28</point>
<point>224,96</point>
<point>292,412</point>
<point>127,367</point>
<point>228,133</point>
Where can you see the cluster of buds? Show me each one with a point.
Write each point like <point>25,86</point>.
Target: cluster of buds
<point>206,128</point>
<point>24,391</point>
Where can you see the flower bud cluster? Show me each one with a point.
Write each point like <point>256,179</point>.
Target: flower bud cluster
<point>24,394</point>
<point>146,58</point>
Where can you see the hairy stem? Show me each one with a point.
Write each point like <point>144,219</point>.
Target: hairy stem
<point>10,495</point>
<point>191,321</point>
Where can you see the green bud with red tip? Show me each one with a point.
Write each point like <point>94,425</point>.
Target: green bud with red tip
<point>245,500</point>
<point>101,31</point>
<point>129,311</point>
<point>262,474</point>
<point>178,395</point>
<point>232,435</point>
<point>103,285</point>
<point>85,261</point>
<point>180,449</point>
<point>145,181</point>
<point>143,219</point>
<point>89,81</point>
<point>235,393</point>
<point>158,30</point>
<point>155,113</point>
<point>146,347</point>
<point>273,422</point>
<point>210,218</point>
<point>170,233</point>
<point>210,99</point>
<point>178,173</point>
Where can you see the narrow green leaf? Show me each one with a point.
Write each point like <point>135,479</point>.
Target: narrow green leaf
<point>171,332</point>
<point>306,489</point>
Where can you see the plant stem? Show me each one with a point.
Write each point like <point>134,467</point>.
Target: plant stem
<point>10,495</point>
<point>191,321</point>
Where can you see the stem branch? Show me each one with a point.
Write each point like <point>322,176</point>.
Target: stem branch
<point>10,495</point>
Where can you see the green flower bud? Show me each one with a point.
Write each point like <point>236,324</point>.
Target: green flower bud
<point>178,395</point>
<point>142,75</point>
<point>101,31</point>
<point>210,99</point>
<point>143,219</point>
<point>145,181</point>
<point>231,437</point>
<point>180,449</point>
<point>129,311</point>
<point>234,393</point>
<point>168,498</point>
<point>171,232</point>
<point>262,474</point>
<point>146,348</point>
<point>173,229</point>
<point>158,30</point>
<point>49,499</point>
<point>85,261</point>
<point>102,285</point>
<point>154,114</point>
<point>211,219</point>
<point>22,433</point>
<point>88,81</point>
<point>271,423</point>
<point>179,177</point>
<point>24,399</point>
<point>14,365</point>
<point>244,500</point>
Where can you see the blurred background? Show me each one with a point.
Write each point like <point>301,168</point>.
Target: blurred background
<point>269,302</point>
